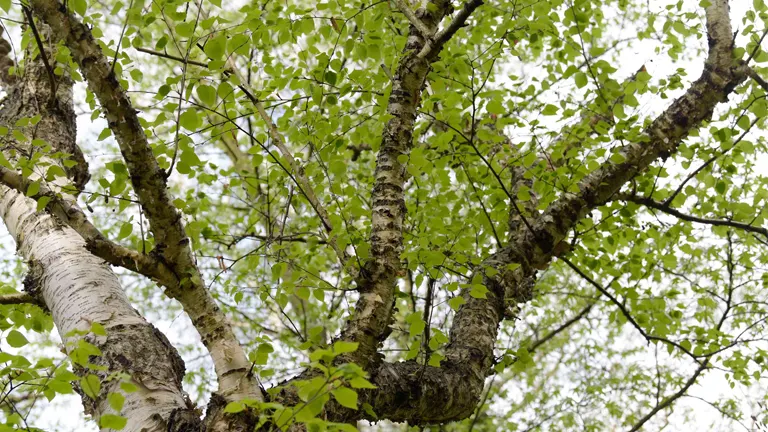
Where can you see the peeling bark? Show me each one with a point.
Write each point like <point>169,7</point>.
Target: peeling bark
<point>149,183</point>
<point>79,288</point>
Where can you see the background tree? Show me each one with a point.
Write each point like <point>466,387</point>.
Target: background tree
<point>482,216</point>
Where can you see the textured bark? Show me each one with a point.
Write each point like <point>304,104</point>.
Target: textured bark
<point>369,324</point>
<point>149,183</point>
<point>67,211</point>
<point>79,288</point>
<point>408,391</point>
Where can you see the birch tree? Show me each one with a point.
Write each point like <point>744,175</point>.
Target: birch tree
<point>384,214</point>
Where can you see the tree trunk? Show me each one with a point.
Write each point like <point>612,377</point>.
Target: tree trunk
<point>79,288</point>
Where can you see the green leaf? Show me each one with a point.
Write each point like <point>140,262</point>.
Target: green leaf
<point>278,270</point>
<point>79,6</point>
<point>128,387</point>
<point>435,359</point>
<point>16,339</point>
<point>581,79</point>
<point>112,421</point>
<point>42,202</point>
<point>495,107</point>
<point>91,386</point>
<point>207,94</point>
<point>137,75</point>
<point>216,48</point>
<point>126,228</point>
<point>53,172</point>
<point>116,401</point>
<point>98,329</point>
<point>190,120</point>
<point>185,29</point>
<point>456,302</point>
<point>369,410</point>
<point>60,386</point>
<point>234,407</point>
<point>478,291</point>
<point>720,187</point>
<point>33,189</point>
<point>550,110</point>
<point>346,397</point>
<point>337,167</point>
<point>341,347</point>
<point>360,382</point>
<point>618,111</point>
<point>6,5</point>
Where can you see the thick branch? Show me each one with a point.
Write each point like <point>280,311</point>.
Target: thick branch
<point>6,62</point>
<point>423,394</point>
<point>19,298</point>
<point>369,324</point>
<point>433,45</point>
<point>78,288</point>
<point>70,214</point>
<point>415,21</point>
<point>149,184</point>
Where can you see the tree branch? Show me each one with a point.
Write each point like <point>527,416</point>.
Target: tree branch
<point>70,214</point>
<point>708,162</point>
<point>433,45</point>
<point>625,311</point>
<point>561,328</point>
<point>669,400</point>
<point>758,79</point>
<point>6,62</point>
<point>415,21</point>
<point>19,298</point>
<point>452,391</point>
<point>43,54</point>
<point>171,57</point>
<point>149,184</point>
<point>369,324</point>
<point>664,207</point>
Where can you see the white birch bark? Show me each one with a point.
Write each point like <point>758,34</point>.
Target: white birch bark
<point>80,289</point>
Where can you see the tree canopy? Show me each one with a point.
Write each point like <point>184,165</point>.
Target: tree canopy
<point>439,215</point>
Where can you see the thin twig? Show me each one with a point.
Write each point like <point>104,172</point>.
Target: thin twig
<point>122,33</point>
<point>757,47</point>
<point>708,162</point>
<point>171,57</point>
<point>43,55</point>
<point>625,311</point>
<point>690,218</point>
